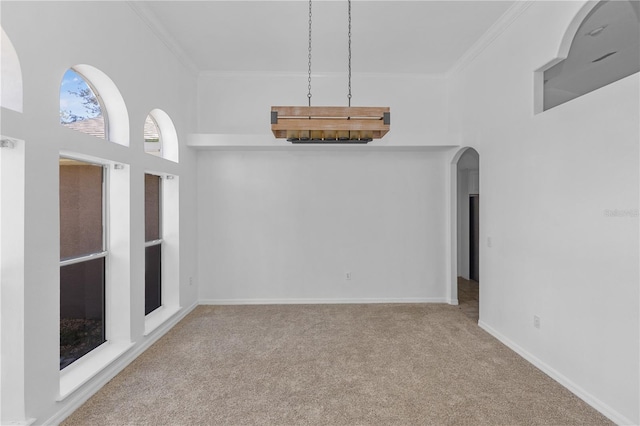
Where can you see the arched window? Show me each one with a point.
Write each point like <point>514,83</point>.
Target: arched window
<point>91,103</point>
<point>160,137</point>
<point>152,141</point>
<point>81,108</point>
<point>11,77</point>
<point>604,49</point>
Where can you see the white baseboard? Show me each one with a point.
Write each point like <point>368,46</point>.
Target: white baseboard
<point>320,301</point>
<point>27,422</point>
<point>603,408</point>
<point>74,401</point>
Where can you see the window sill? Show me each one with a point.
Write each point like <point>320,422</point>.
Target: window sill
<point>158,317</point>
<point>87,367</point>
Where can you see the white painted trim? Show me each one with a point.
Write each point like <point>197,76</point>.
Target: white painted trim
<point>115,109</point>
<point>490,35</point>
<point>89,366</point>
<point>155,25</point>
<point>453,302</point>
<point>581,393</point>
<point>158,317</point>
<point>452,223</point>
<point>27,422</point>
<point>563,52</point>
<point>266,142</point>
<point>90,388</point>
<point>12,281</point>
<point>321,301</point>
<point>170,146</point>
<point>12,96</point>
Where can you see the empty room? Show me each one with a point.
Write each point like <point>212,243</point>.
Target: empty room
<point>326,212</point>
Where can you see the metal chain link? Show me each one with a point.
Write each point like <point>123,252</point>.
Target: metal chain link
<point>309,80</point>
<point>349,95</point>
<point>309,57</point>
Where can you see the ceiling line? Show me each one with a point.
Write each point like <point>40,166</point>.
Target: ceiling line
<point>156,27</point>
<point>498,27</point>
<point>321,74</point>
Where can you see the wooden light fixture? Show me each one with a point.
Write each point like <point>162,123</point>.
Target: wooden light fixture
<point>329,124</point>
<point>324,124</point>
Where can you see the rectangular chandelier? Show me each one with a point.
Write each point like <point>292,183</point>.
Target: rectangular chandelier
<point>311,124</point>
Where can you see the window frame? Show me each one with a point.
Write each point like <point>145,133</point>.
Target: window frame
<point>158,241</point>
<point>99,98</point>
<point>103,107</point>
<point>570,35</point>
<point>160,152</point>
<point>103,254</point>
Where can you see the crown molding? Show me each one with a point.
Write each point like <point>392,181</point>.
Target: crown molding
<point>151,20</point>
<point>155,25</point>
<point>490,35</point>
<point>304,74</point>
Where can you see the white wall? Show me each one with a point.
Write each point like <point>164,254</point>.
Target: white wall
<point>286,226</point>
<point>234,108</point>
<point>547,182</point>
<point>50,37</point>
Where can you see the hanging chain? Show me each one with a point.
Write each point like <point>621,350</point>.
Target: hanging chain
<point>309,80</point>
<point>309,63</point>
<point>349,95</point>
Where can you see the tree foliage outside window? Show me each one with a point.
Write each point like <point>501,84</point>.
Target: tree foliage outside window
<point>80,107</point>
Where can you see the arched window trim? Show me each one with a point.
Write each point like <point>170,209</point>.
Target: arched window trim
<point>160,152</point>
<point>114,109</point>
<point>564,48</point>
<point>11,64</point>
<point>103,110</point>
<point>572,31</point>
<point>168,136</point>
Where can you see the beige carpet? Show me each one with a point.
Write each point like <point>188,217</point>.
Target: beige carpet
<point>469,298</point>
<point>331,365</point>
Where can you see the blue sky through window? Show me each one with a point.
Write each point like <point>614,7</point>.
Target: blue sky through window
<point>77,100</point>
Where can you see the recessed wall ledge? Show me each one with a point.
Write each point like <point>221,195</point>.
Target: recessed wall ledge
<point>266,141</point>
<point>90,365</point>
<point>158,317</point>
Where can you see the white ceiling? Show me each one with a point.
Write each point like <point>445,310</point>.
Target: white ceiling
<point>272,36</point>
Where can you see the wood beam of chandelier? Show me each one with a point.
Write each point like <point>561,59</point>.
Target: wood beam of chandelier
<point>299,124</point>
<point>330,124</point>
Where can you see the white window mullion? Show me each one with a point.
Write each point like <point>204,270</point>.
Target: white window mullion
<point>80,259</point>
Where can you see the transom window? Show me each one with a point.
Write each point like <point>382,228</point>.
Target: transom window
<point>605,49</point>
<point>160,137</point>
<point>81,107</point>
<point>152,137</point>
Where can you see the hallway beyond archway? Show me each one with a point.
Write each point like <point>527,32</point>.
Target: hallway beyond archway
<point>468,298</point>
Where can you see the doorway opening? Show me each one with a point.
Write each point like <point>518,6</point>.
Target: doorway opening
<point>474,237</point>
<point>467,197</point>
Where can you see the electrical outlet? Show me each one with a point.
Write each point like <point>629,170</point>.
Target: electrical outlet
<point>190,280</point>
<point>489,242</point>
<point>536,321</point>
<point>347,276</point>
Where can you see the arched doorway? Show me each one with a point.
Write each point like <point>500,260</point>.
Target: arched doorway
<point>465,212</point>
